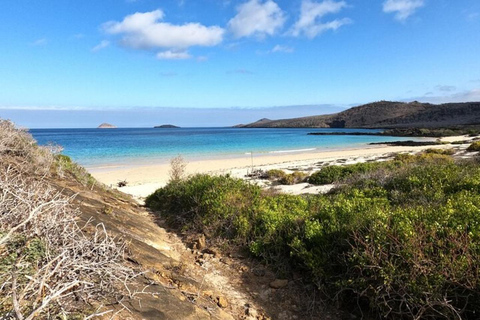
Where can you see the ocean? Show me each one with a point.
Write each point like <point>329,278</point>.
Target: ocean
<point>125,146</point>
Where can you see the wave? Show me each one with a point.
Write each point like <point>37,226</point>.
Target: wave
<point>295,150</point>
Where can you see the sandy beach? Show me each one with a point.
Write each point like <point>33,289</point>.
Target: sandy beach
<point>144,179</point>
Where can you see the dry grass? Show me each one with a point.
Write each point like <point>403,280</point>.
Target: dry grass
<point>50,265</point>
<point>178,167</point>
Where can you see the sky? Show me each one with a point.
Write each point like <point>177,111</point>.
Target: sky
<point>70,63</point>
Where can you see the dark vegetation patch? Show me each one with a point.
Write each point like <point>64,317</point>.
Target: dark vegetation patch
<point>409,143</point>
<point>281,177</point>
<point>472,131</point>
<point>474,146</point>
<point>397,239</point>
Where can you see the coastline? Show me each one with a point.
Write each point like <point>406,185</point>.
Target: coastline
<point>145,179</point>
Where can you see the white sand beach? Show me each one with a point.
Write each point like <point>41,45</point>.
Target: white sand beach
<point>144,179</point>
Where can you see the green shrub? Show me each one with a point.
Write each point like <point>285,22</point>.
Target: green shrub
<point>275,174</point>
<point>214,204</point>
<point>65,165</point>
<point>333,174</point>
<point>401,239</point>
<point>447,152</point>
<point>327,175</point>
<point>293,178</point>
<point>475,146</point>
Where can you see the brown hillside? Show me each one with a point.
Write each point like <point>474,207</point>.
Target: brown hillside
<point>387,114</point>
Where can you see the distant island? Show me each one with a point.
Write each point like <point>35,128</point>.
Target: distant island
<point>106,126</point>
<point>166,126</point>
<point>386,114</point>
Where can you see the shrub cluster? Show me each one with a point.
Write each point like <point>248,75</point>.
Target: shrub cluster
<point>333,174</point>
<point>287,179</point>
<point>475,146</point>
<point>402,240</point>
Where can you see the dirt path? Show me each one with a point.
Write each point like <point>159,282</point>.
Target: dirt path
<point>186,278</point>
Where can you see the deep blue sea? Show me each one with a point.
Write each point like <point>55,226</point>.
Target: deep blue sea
<point>98,147</point>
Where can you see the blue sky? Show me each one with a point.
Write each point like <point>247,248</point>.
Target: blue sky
<point>84,62</point>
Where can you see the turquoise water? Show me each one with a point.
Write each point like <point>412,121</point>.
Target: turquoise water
<point>99,147</point>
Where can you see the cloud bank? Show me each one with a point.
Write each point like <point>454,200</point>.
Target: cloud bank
<point>402,8</point>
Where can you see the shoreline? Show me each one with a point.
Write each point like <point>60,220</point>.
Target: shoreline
<point>145,179</point>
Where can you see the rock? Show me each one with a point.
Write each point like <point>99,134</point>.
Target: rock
<point>201,243</point>
<point>211,251</point>
<point>208,293</point>
<point>278,283</point>
<point>252,313</point>
<point>222,302</point>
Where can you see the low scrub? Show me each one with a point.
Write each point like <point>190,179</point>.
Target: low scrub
<point>448,152</point>
<point>474,146</point>
<point>275,174</point>
<point>399,239</point>
<point>333,174</point>
<point>50,266</point>
<point>64,166</point>
<point>293,178</point>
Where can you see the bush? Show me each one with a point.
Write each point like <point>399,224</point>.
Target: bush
<point>293,178</point>
<point>178,167</point>
<point>447,152</point>
<point>213,204</point>
<point>65,166</point>
<point>475,146</point>
<point>401,239</point>
<point>334,174</point>
<point>275,174</point>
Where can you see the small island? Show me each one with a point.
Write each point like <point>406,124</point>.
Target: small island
<point>166,126</point>
<point>106,126</point>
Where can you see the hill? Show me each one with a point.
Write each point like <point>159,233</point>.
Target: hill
<point>166,126</point>
<point>106,126</point>
<point>386,114</point>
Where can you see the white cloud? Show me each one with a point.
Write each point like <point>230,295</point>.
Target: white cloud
<point>240,71</point>
<point>402,8</point>
<point>309,22</point>
<point>173,55</point>
<point>102,45</point>
<point>146,31</point>
<point>168,74</point>
<point>279,48</point>
<point>446,88</point>
<point>257,18</point>
<point>39,42</point>
<point>464,96</point>
<point>473,16</point>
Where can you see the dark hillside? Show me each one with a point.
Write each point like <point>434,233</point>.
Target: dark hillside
<point>386,114</point>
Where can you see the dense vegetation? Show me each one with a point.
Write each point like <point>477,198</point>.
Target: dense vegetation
<point>398,239</point>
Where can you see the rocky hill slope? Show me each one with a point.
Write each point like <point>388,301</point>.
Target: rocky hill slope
<point>386,114</point>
